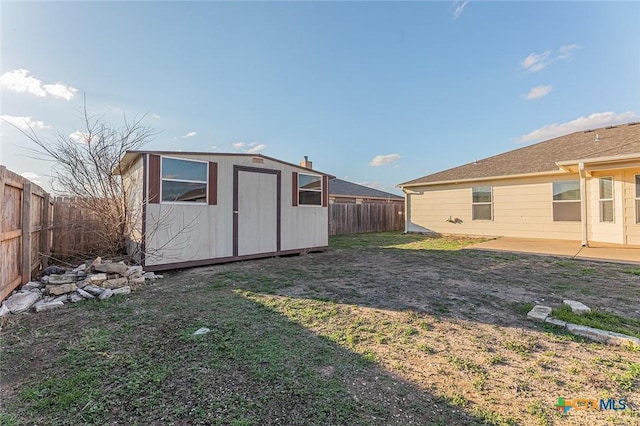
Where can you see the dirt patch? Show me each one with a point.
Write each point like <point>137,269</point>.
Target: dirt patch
<point>374,334</point>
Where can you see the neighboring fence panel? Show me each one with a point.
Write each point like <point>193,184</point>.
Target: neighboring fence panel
<point>358,218</point>
<point>25,235</point>
<point>76,229</point>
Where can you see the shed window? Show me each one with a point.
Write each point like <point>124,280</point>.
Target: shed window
<point>309,190</point>
<point>184,180</point>
<point>482,203</point>
<point>606,199</point>
<point>566,201</point>
<point>637,198</point>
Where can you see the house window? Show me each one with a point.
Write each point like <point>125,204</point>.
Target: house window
<point>184,180</point>
<point>606,199</point>
<point>566,201</point>
<point>637,198</point>
<point>309,190</point>
<point>482,203</point>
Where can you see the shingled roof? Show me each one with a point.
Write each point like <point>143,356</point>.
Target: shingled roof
<point>623,139</point>
<point>343,188</point>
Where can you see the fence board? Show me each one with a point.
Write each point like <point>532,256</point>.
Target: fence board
<point>345,218</point>
<point>76,229</point>
<point>25,215</point>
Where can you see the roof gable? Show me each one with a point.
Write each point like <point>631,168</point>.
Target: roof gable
<point>542,157</point>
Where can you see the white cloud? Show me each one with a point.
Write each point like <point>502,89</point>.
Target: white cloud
<point>24,123</point>
<point>381,160</point>
<point>460,6</point>
<point>20,81</point>
<point>538,61</point>
<point>80,137</point>
<point>256,148</point>
<point>189,135</point>
<point>239,145</point>
<point>538,92</point>
<point>155,116</point>
<point>593,121</point>
<point>33,177</point>
<point>59,90</point>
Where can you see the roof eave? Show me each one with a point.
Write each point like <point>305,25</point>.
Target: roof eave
<point>482,179</point>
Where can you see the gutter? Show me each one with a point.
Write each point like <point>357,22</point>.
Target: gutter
<point>583,204</point>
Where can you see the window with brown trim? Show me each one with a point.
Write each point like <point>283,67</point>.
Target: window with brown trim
<point>184,181</point>
<point>309,190</point>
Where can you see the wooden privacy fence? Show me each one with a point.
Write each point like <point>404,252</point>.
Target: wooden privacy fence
<point>76,229</point>
<point>25,230</point>
<point>357,218</point>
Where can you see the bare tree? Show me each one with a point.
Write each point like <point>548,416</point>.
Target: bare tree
<point>84,168</point>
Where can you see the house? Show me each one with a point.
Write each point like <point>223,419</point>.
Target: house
<point>342,191</point>
<point>195,208</point>
<point>584,186</point>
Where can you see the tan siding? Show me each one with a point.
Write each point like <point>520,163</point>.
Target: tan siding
<point>133,185</point>
<point>632,229</point>
<point>521,207</point>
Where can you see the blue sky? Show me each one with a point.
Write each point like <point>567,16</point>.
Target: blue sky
<point>374,92</point>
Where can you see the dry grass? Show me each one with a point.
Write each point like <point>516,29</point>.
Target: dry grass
<point>382,329</point>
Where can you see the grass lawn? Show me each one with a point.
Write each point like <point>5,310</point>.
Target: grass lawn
<point>382,329</point>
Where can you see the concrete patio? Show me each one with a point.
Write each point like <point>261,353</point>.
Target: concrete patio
<point>573,249</point>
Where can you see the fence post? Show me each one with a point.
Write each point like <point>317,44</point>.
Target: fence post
<point>26,233</point>
<point>45,245</point>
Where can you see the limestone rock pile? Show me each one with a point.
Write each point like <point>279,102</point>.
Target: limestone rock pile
<point>97,280</point>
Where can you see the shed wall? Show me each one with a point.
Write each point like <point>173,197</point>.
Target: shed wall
<point>179,232</point>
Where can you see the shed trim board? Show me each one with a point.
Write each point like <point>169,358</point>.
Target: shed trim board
<point>243,212</point>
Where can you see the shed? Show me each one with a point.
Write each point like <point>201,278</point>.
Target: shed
<point>195,208</point>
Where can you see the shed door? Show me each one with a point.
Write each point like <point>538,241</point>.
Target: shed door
<point>256,211</point>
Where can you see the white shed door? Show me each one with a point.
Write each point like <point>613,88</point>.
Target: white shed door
<point>257,213</point>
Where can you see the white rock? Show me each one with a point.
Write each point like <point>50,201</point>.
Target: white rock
<point>149,276</point>
<point>85,294</point>
<point>97,278</point>
<point>77,297</point>
<point>31,285</point>
<point>95,290</point>
<point>107,293</point>
<point>62,298</point>
<point>136,281</point>
<point>577,307</point>
<point>134,270</point>
<point>539,313</point>
<point>21,302</point>
<point>4,310</point>
<point>122,290</point>
<point>203,330</point>
<point>47,306</point>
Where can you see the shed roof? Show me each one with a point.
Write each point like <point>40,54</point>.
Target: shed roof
<point>130,156</point>
<point>611,141</point>
<point>339,187</point>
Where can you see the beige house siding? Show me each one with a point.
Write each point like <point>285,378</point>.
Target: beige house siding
<point>521,208</point>
<point>632,228</point>
<point>178,232</point>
